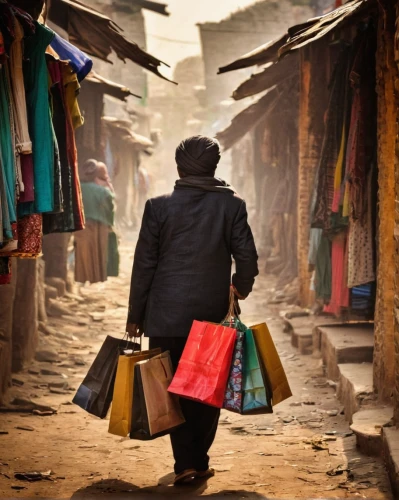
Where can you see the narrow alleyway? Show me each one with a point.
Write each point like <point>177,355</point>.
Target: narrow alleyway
<point>304,450</point>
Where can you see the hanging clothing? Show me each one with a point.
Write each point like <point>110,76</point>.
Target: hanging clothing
<point>361,260</point>
<point>64,221</point>
<point>339,290</point>
<point>7,153</point>
<point>323,270</point>
<point>362,135</point>
<point>28,236</point>
<point>332,143</point>
<point>40,126</point>
<point>80,62</point>
<point>23,141</point>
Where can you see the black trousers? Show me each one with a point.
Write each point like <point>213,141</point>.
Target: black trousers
<point>192,441</point>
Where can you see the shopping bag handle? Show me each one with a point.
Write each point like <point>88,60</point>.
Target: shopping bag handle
<point>126,336</point>
<point>233,312</point>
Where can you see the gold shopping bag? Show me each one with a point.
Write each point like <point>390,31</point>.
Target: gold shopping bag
<point>121,410</point>
<point>272,364</point>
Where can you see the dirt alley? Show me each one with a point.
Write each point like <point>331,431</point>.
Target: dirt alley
<point>285,455</point>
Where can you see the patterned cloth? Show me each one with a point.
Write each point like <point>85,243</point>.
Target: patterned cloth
<point>233,398</point>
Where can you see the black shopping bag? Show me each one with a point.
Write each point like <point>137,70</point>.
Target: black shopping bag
<point>95,393</point>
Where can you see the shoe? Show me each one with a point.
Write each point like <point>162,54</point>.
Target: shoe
<point>205,474</point>
<point>185,477</point>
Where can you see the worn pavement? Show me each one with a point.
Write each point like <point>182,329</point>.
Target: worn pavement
<point>304,450</point>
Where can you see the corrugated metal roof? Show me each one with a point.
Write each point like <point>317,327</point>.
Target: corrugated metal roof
<point>97,35</point>
<point>273,75</point>
<point>264,54</point>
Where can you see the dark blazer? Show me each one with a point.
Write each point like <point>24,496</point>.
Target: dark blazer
<point>183,259</point>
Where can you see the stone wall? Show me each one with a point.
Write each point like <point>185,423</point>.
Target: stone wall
<point>387,73</point>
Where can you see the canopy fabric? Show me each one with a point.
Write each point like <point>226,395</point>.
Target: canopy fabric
<point>109,87</point>
<point>97,35</point>
<point>273,75</point>
<point>264,54</point>
<point>304,34</point>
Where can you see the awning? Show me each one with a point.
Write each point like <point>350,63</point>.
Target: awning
<point>97,35</point>
<point>108,87</point>
<point>264,54</point>
<point>304,34</point>
<point>122,129</point>
<point>159,8</point>
<point>245,121</point>
<point>273,75</point>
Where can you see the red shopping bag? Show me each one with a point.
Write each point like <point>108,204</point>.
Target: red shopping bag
<point>205,364</point>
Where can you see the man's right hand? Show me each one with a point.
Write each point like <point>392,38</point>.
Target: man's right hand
<point>134,330</point>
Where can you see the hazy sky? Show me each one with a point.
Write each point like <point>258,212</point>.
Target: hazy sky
<point>181,25</point>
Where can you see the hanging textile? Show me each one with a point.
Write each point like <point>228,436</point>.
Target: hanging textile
<point>40,126</point>
<point>362,135</point>
<point>361,260</point>
<point>64,221</point>
<point>80,63</point>
<point>339,291</point>
<point>331,143</point>
<point>7,153</point>
<point>23,142</point>
<point>323,269</point>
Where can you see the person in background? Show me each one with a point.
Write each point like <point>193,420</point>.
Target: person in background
<point>182,272</point>
<point>103,179</point>
<point>91,244</point>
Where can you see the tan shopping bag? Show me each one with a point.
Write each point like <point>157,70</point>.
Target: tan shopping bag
<point>121,410</point>
<point>163,408</point>
<point>272,364</point>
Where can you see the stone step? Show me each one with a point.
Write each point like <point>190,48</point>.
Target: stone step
<point>302,339</point>
<point>345,343</point>
<point>355,384</point>
<point>368,425</point>
<point>390,440</point>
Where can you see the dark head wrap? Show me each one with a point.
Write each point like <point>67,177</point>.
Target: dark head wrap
<point>198,155</point>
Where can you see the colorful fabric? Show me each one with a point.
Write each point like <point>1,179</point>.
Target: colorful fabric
<point>7,154</point>
<point>332,142</point>
<point>40,126</point>
<point>362,133</point>
<point>233,399</point>
<point>361,260</point>
<point>80,63</point>
<point>323,270</point>
<point>28,194</point>
<point>340,291</point>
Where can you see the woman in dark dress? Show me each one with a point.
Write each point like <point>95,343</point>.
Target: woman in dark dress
<point>182,272</point>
